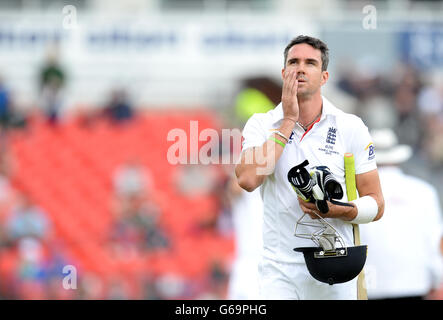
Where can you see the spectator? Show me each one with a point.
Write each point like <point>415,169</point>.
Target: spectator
<point>38,273</point>
<point>213,285</point>
<point>118,290</point>
<point>27,220</point>
<point>52,79</point>
<point>91,287</point>
<point>149,288</point>
<point>10,117</point>
<point>118,109</point>
<point>171,286</point>
<point>405,91</point>
<point>132,179</point>
<point>30,273</point>
<point>430,98</point>
<point>404,258</point>
<point>137,228</point>
<point>54,264</point>
<point>195,180</point>
<point>430,103</point>
<point>5,106</point>
<point>8,194</point>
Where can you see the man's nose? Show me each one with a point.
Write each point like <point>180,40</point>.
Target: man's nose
<point>300,69</point>
<point>300,72</point>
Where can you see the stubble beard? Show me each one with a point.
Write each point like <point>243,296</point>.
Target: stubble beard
<point>305,94</point>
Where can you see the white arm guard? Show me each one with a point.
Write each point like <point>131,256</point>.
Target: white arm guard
<point>367,210</point>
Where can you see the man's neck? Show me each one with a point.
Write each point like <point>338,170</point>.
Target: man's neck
<point>310,108</point>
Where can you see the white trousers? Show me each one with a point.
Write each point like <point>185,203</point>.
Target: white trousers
<point>292,281</point>
<point>243,282</point>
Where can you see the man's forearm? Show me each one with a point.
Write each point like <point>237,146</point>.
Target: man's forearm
<point>257,163</point>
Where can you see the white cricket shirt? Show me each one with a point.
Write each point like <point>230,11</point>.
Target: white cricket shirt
<point>324,144</point>
<point>404,257</point>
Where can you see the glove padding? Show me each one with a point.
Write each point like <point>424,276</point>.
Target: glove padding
<point>302,182</point>
<point>330,187</point>
<point>317,186</point>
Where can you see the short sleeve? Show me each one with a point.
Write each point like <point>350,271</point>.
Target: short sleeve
<point>254,133</point>
<point>363,148</point>
<point>434,232</point>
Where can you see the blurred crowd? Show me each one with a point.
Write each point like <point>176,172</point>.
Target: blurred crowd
<point>407,100</point>
<point>33,258</point>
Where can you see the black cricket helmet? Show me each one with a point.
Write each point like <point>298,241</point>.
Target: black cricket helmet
<point>336,266</point>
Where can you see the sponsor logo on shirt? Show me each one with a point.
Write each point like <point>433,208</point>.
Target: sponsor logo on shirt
<point>371,151</point>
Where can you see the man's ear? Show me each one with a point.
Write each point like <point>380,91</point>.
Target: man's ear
<point>283,73</point>
<point>325,77</point>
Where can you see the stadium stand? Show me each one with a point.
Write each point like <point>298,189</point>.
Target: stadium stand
<point>67,169</point>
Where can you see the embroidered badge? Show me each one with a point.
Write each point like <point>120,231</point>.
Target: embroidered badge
<point>332,135</point>
<point>331,138</point>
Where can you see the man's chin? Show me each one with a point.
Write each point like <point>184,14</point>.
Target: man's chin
<point>303,94</point>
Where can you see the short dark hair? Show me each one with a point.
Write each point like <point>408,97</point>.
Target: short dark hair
<point>313,42</point>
